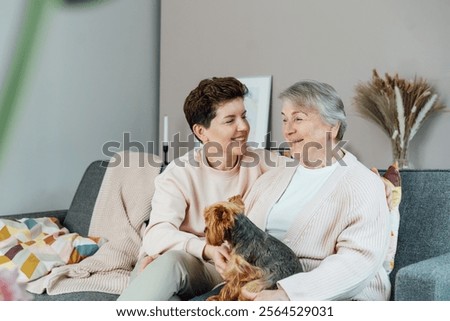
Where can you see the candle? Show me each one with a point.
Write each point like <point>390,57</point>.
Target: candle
<point>166,129</point>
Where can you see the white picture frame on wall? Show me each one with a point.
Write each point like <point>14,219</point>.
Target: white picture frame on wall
<point>257,104</point>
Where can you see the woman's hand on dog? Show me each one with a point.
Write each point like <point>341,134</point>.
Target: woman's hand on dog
<point>220,255</point>
<point>265,295</point>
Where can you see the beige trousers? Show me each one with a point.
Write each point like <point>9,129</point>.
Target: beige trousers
<point>174,275</point>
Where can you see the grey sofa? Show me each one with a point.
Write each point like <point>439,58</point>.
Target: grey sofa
<point>422,264</point>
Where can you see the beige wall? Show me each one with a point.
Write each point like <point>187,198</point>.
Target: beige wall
<point>338,42</point>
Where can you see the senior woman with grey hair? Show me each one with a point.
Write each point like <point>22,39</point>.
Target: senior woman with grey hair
<point>330,209</point>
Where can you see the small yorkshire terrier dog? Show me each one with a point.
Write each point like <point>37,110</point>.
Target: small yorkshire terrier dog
<point>258,260</point>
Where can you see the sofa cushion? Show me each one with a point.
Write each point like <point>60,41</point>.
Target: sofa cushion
<point>424,230</point>
<point>78,218</point>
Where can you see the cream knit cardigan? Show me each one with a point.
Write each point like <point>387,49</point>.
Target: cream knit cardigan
<point>340,236</point>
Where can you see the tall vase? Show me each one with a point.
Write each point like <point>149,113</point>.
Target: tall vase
<point>403,163</point>
<point>401,156</point>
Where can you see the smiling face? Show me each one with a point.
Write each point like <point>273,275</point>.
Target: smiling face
<point>227,135</point>
<point>306,132</point>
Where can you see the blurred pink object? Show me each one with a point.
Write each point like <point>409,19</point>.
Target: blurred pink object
<point>10,290</point>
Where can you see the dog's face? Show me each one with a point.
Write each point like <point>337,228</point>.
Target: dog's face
<point>219,219</point>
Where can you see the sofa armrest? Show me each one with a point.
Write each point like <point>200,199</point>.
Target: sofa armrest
<point>59,214</point>
<point>428,280</point>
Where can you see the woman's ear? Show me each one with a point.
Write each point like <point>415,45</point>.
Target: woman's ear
<point>200,132</point>
<point>335,131</point>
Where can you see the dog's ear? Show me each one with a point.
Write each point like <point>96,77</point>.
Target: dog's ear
<point>216,213</point>
<point>237,200</point>
<point>218,218</point>
<point>213,234</point>
<point>223,215</point>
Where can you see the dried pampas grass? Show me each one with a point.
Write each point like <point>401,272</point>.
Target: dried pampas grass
<point>398,106</point>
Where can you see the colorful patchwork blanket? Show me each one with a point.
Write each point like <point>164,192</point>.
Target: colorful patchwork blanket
<point>34,246</point>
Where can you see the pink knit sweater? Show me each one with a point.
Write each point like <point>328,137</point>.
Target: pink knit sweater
<point>340,236</point>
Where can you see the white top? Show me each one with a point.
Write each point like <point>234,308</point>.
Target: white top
<point>303,187</point>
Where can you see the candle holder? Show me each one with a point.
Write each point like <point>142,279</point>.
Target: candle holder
<point>166,139</point>
<point>165,151</point>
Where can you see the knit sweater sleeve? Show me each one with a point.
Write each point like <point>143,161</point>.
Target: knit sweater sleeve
<point>169,207</point>
<point>359,248</point>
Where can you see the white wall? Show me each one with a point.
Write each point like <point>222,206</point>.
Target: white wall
<point>338,42</point>
<point>94,76</point>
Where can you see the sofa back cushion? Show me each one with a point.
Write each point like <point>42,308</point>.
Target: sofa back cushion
<point>79,215</point>
<point>424,230</point>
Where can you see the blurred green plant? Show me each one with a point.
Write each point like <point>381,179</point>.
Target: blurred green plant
<point>15,76</point>
<point>19,66</point>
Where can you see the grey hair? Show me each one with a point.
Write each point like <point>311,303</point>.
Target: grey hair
<point>321,96</point>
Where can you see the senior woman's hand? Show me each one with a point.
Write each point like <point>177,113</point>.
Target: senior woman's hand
<point>265,295</point>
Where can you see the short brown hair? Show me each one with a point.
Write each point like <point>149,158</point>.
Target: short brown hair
<point>201,104</point>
